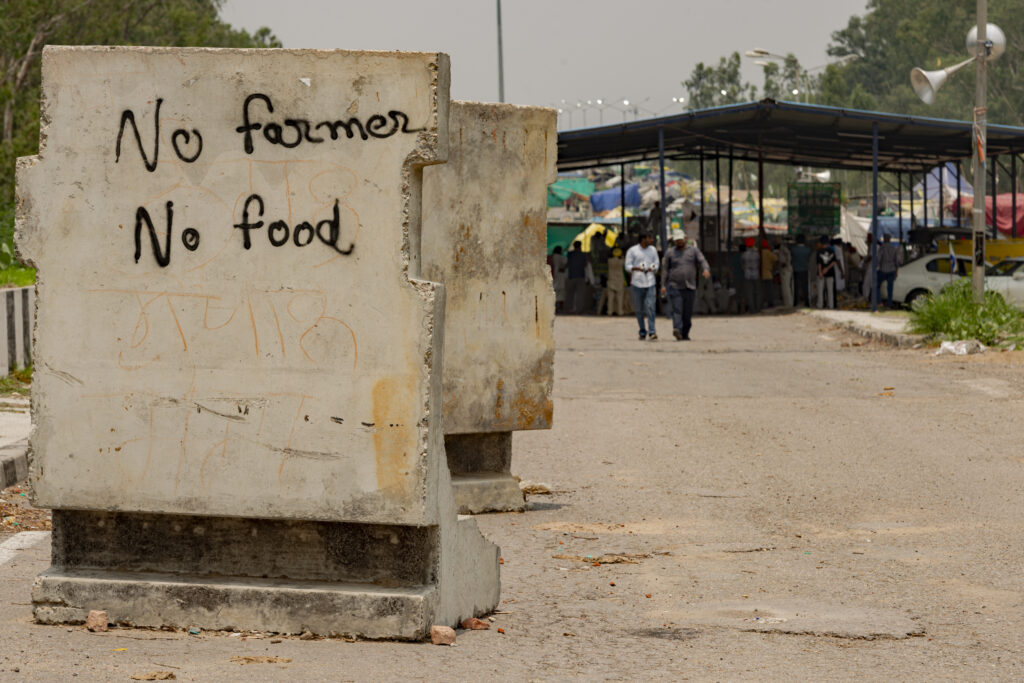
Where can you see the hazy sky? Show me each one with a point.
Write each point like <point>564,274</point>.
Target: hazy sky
<point>555,50</point>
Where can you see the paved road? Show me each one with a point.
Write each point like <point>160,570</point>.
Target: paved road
<point>798,504</point>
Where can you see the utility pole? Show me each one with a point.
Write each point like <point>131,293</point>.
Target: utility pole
<point>501,61</point>
<point>978,212</point>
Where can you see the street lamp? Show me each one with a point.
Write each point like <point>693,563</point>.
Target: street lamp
<point>988,42</point>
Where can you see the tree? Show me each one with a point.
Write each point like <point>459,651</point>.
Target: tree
<point>712,86</point>
<point>894,36</point>
<point>26,26</point>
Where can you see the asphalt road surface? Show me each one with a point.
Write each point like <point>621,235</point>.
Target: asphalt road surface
<point>776,499</point>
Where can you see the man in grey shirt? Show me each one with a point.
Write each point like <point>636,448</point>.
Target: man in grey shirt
<point>679,281</point>
<point>890,256</point>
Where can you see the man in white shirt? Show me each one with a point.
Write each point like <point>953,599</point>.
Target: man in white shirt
<point>642,264</point>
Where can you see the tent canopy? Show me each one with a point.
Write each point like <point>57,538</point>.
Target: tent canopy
<point>945,176</point>
<point>610,199</point>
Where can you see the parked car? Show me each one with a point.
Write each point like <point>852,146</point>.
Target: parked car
<point>930,273</point>
<point>926,275</point>
<point>1007,278</point>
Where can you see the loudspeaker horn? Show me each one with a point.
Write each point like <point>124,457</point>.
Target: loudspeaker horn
<point>926,83</point>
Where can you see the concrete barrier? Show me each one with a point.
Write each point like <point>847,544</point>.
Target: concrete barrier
<point>238,400</point>
<point>484,237</point>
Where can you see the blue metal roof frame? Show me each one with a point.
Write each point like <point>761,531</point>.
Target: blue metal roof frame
<point>784,132</point>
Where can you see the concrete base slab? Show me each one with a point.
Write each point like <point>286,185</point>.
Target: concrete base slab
<point>278,606</point>
<point>487,492</point>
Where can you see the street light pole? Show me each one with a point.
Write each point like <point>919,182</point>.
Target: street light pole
<point>978,211</point>
<point>501,61</point>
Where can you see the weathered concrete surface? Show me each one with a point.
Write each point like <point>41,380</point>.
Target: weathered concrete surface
<point>484,237</point>
<point>481,467</point>
<point>265,349</point>
<point>761,458</point>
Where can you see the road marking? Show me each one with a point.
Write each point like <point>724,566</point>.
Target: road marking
<point>26,539</point>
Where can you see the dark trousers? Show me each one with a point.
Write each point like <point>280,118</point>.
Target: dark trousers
<point>752,295</point>
<point>682,309</point>
<point>889,278</point>
<point>767,293</point>
<point>575,293</point>
<point>800,288</point>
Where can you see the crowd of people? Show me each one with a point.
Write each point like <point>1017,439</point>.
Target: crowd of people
<point>627,276</point>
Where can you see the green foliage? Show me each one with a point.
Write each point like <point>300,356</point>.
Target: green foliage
<point>18,382</point>
<point>28,25</point>
<point>707,83</point>
<point>953,314</point>
<point>894,36</point>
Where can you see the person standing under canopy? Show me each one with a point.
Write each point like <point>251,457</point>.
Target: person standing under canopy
<point>890,256</point>
<point>679,281</point>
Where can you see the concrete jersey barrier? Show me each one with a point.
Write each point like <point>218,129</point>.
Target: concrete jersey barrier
<point>484,237</point>
<point>237,408</point>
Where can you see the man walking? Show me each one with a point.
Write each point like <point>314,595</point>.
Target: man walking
<point>642,264</point>
<point>889,258</point>
<point>679,281</point>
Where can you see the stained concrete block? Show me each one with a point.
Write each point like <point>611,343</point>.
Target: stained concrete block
<point>485,238</point>
<point>231,324</point>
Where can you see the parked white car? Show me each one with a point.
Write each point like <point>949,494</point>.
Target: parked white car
<point>930,273</point>
<point>1007,278</point>
<point>926,275</point>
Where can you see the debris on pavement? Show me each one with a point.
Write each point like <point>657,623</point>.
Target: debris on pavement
<point>535,488</point>
<point>96,621</point>
<point>474,624</point>
<point>964,347</point>
<point>618,558</point>
<point>442,635</point>
<point>155,676</point>
<point>17,513</point>
<point>260,659</point>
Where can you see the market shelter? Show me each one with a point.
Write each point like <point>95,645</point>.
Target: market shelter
<point>791,133</point>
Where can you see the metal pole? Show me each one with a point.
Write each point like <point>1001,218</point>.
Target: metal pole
<point>924,200</point>
<point>622,194</point>
<point>910,182</point>
<point>700,230</point>
<point>978,212</point>
<point>942,193</point>
<point>959,202</point>
<point>1013,188</point>
<point>899,202</point>
<point>729,244</point>
<point>718,214</point>
<point>661,166</point>
<point>760,200</point>
<point>995,207</point>
<point>874,216</point>
<point>501,61</point>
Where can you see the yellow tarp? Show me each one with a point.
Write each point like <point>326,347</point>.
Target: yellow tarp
<point>610,235</point>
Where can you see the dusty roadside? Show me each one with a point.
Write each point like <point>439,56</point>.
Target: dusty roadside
<point>777,498</point>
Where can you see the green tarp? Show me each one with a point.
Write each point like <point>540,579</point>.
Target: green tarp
<point>563,188</point>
